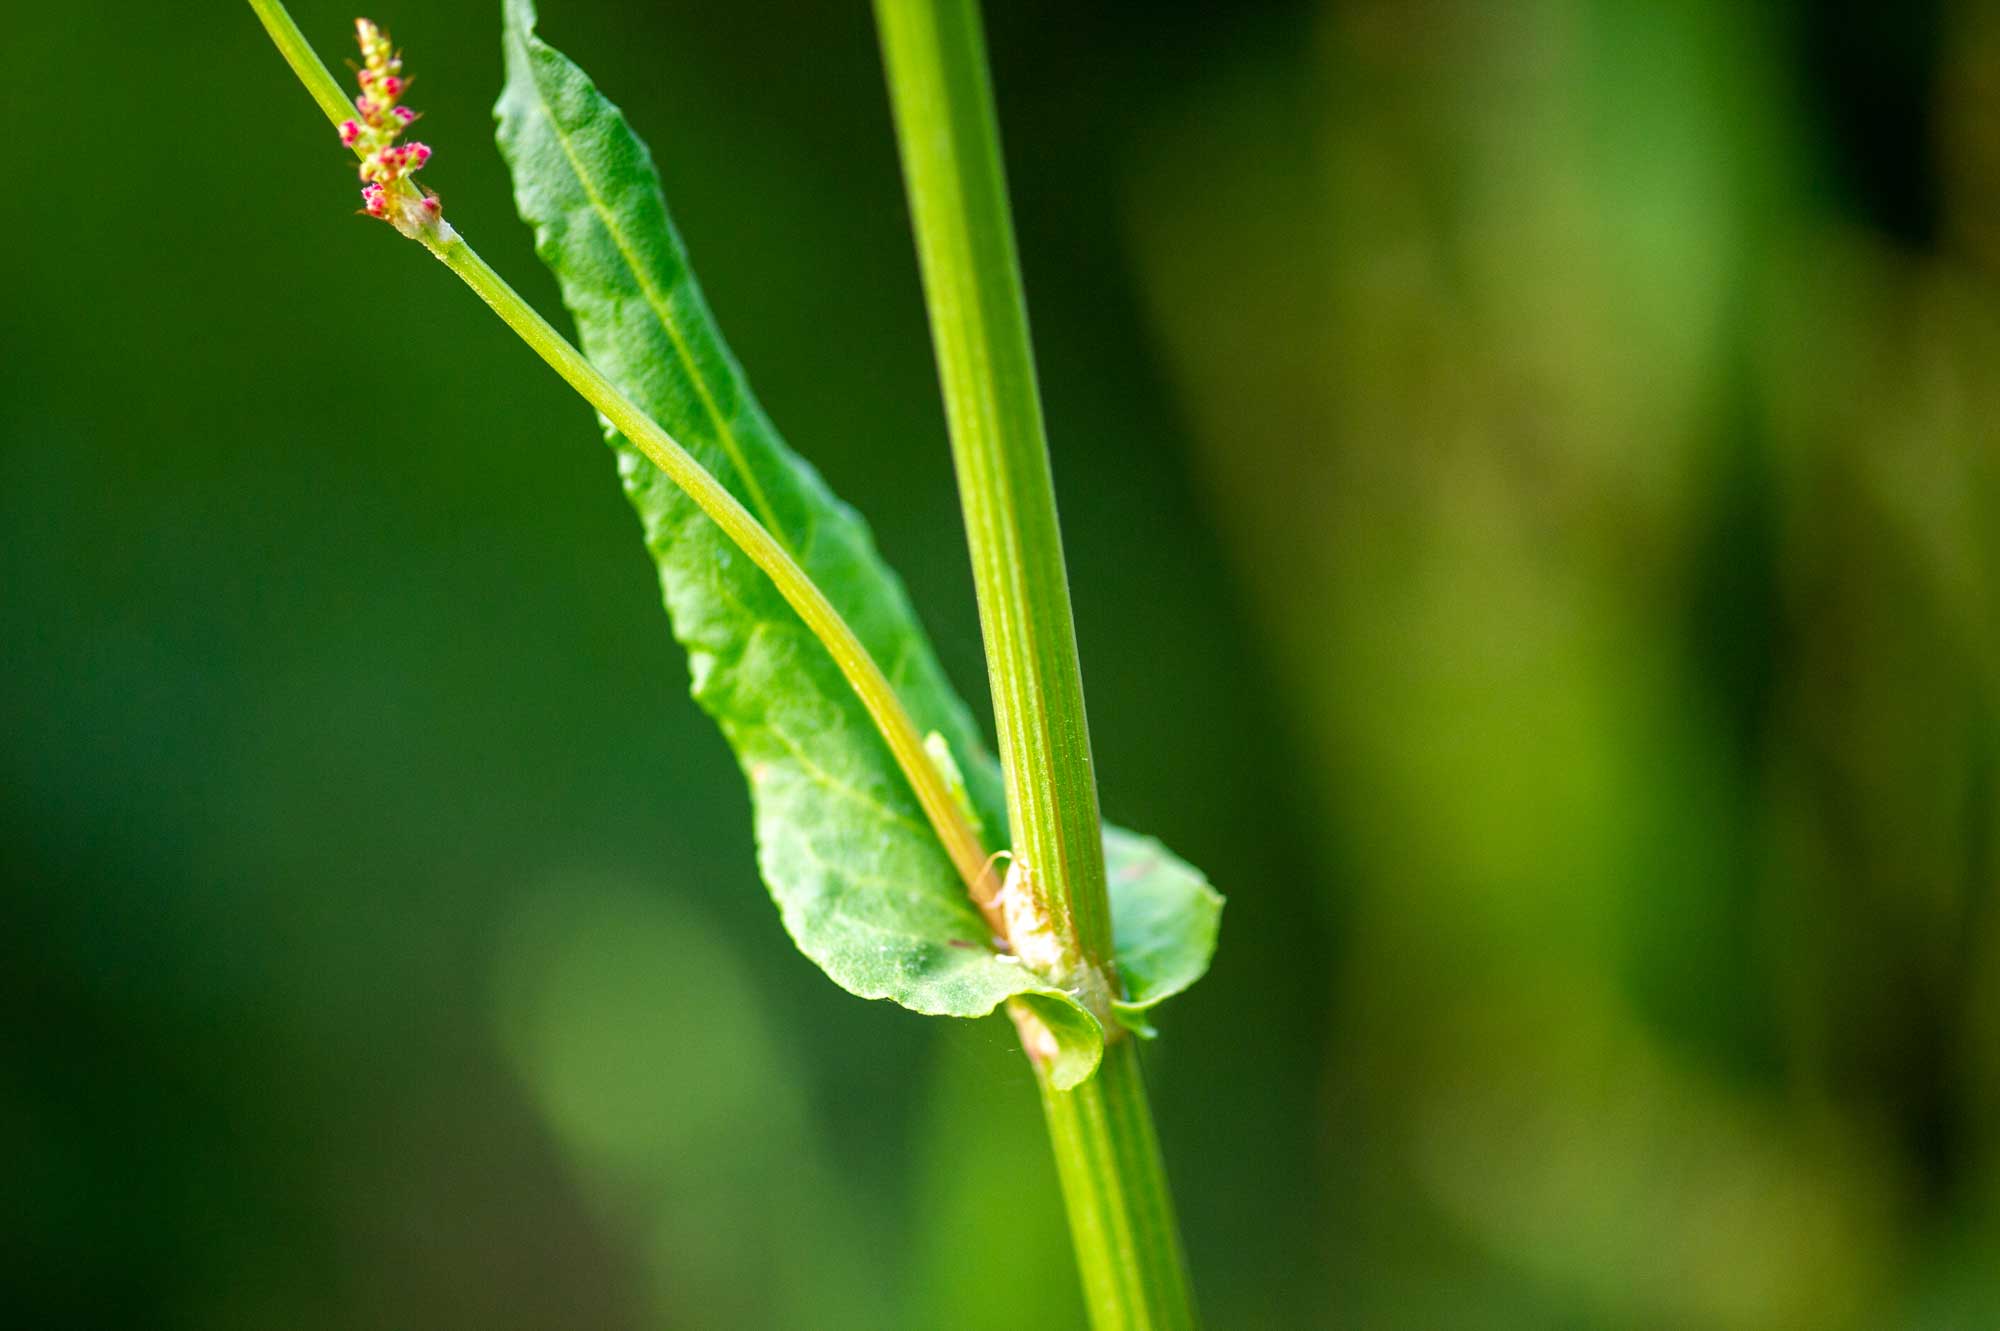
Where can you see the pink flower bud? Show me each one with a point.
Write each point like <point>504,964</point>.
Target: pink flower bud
<point>379,121</point>
<point>431,204</point>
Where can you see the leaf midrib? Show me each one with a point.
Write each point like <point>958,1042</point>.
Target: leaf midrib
<point>656,302</point>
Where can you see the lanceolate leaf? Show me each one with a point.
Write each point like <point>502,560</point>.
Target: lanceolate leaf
<point>863,885</point>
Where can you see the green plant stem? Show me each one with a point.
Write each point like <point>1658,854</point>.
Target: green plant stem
<point>954,830</point>
<point>305,61</point>
<point>804,595</point>
<point>936,64</point>
<point>1114,1182</point>
<point>1121,1213</point>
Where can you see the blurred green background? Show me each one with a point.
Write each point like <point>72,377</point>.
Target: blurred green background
<point>1532,479</point>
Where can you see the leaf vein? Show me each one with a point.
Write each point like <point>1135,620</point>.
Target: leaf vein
<point>833,783</point>
<point>657,302</point>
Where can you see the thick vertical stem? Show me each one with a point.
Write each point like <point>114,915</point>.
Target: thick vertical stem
<point>965,240</point>
<point>1121,1213</point>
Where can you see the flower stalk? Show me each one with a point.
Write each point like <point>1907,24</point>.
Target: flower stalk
<point>385,168</point>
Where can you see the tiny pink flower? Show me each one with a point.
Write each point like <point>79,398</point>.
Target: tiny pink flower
<point>385,164</point>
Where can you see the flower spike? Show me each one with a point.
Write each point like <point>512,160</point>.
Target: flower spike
<point>386,165</point>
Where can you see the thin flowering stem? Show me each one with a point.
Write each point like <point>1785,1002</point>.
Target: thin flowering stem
<point>305,62</point>
<point>370,126</point>
<point>862,672</point>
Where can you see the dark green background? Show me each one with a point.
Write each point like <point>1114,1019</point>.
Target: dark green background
<point>1531,478</point>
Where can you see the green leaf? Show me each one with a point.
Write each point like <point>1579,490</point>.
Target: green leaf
<point>1164,921</point>
<point>861,882</point>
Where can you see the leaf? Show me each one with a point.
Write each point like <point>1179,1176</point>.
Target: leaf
<point>862,884</point>
<point>1164,922</point>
